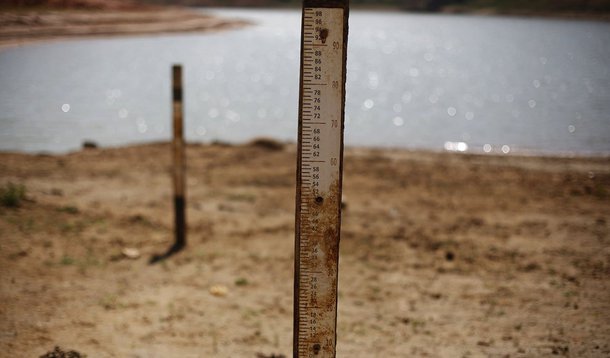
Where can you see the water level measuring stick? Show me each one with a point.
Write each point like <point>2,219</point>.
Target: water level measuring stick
<point>319,176</point>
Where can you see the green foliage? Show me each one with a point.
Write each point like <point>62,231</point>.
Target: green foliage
<point>109,302</point>
<point>67,261</point>
<point>11,195</point>
<point>241,282</point>
<point>69,209</point>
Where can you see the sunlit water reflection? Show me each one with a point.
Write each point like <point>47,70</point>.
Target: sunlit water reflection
<point>459,83</point>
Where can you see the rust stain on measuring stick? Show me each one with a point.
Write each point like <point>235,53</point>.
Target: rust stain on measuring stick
<point>324,226</point>
<point>323,35</point>
<point>325,210</point>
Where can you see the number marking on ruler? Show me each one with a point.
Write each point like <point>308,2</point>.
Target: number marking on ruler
<point>319,178</point>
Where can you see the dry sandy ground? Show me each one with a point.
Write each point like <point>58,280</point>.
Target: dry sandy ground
<point>27,26</point>
<point>442,255</point>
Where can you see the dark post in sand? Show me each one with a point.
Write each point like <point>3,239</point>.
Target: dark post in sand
<point>179,160</point>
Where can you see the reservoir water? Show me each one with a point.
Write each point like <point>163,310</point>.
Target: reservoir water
<point>465,83</point>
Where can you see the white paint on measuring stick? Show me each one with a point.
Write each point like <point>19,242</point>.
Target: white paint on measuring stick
<point>319,181</point>
<point>322,94</point>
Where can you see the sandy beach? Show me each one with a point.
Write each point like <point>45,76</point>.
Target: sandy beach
<point>442,254</point>
<point>18,28</point>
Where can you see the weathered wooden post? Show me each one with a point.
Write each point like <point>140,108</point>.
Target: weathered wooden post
<point>179,160</point>
<point>179,166</point>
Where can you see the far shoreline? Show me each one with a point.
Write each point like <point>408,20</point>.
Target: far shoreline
<point>386,150</point>
<point>486,12</point>
<point>27,27</point>
<point>151,21</point>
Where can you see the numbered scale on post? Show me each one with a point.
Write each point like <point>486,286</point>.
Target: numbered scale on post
<point>319,176</point>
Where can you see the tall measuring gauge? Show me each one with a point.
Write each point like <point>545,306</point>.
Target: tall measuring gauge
<point>319,176</point>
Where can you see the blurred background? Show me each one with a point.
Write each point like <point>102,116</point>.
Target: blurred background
<point>422,74</point>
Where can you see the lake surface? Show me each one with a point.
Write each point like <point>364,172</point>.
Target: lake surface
<point>479,84</point>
